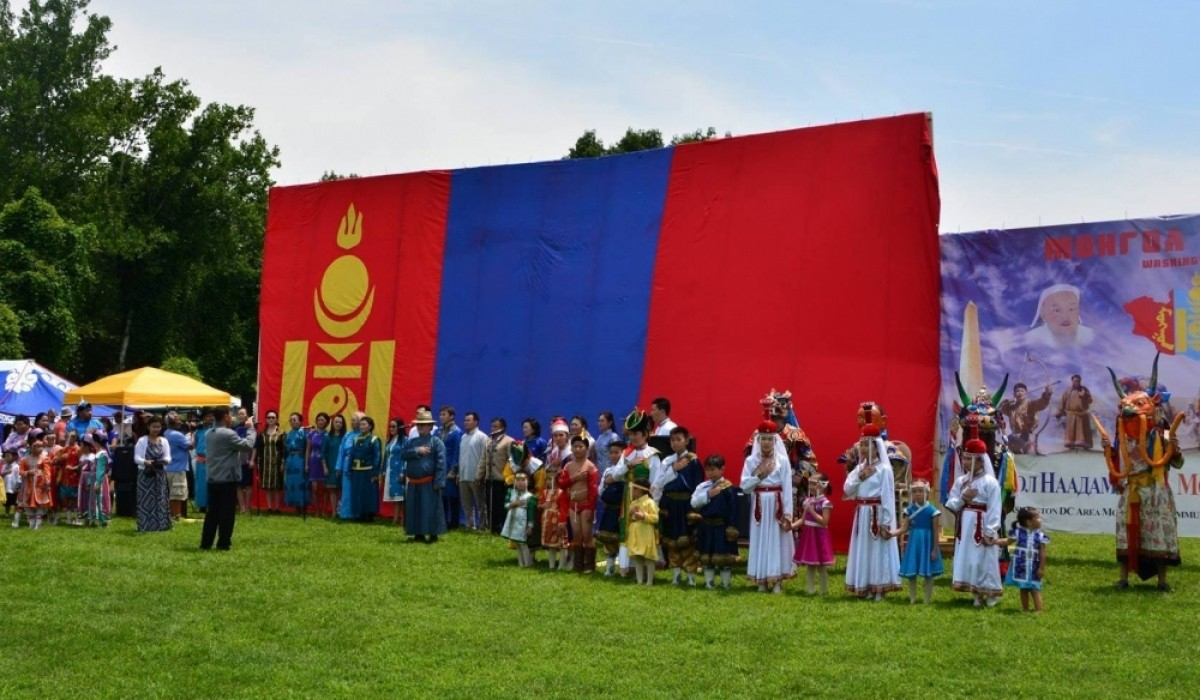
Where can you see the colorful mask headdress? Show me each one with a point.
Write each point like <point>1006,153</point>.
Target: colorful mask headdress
<point>778,404</point>
<point>1137,416</point>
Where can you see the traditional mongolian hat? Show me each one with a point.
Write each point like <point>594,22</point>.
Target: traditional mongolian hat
<point>424,417</point>
<point>638,421</point>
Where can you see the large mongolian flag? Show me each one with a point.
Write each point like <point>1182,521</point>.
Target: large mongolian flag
<point>708,273</point>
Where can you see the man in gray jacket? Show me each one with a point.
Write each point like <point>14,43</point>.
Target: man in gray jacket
<point>224,472</point>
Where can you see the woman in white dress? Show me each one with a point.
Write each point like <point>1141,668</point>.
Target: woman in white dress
<point>873,562</point>
<point>767,480</point>
<point>975,496</point>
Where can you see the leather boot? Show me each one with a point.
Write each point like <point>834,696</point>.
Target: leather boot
<point>589,560</point>
<point>577,560</point>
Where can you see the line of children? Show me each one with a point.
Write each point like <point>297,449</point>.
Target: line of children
<point>43,479</point>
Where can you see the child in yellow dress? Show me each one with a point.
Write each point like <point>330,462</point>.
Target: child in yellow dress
<point>641,540</point>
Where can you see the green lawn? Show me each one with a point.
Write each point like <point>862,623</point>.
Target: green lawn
<point>316,609</point>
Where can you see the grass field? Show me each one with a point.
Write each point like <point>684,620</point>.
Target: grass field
<point>318,609</point>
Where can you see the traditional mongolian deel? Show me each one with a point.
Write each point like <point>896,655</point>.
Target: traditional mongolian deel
<point>975,497</point>
<point>676,481</point>
<point>1025,570</point>
<point>520,518</point>
<point>767,481</point>
<point>922,556</point>
<point>295,476</point>
<point>814,544</point>
<point>425,470</point>
<point>716,532</point>
<point>873,563</point>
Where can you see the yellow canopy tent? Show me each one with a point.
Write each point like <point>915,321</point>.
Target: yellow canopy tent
<point>149,387</point>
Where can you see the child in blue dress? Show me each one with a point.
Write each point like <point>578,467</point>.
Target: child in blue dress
<point>922,557</point>
<point>1028,565</point>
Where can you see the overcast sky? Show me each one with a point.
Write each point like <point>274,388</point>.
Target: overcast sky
<point>1044,112</point>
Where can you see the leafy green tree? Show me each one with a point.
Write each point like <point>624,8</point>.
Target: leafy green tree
<point>56,111</point>
<point>183,365</point>
<point>11,346</point>
<point>592,146</point>
<point>638,140</point>
<point>695,136</point>
<point>45,274</point>
<point>588,146</point>
<point>331,176</point>
<point>175,189</point>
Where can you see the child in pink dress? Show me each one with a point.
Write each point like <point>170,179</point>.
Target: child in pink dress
<point>814,544</point>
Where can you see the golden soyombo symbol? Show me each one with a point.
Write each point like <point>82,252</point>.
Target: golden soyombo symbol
<point>342,303</point>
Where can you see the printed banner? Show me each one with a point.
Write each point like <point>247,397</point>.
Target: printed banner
<point>1053,309</point>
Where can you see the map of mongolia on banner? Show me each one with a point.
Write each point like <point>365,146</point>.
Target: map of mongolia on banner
<point>1053,308</point>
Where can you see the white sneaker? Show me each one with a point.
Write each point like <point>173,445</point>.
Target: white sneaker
<point>993,602</point>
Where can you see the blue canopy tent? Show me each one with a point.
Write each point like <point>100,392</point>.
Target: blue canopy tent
<point>27,388</point>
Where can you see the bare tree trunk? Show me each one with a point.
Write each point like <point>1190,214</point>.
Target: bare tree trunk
<point>125,340</point>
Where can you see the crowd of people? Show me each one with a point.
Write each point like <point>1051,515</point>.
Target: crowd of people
<point>645,505</point>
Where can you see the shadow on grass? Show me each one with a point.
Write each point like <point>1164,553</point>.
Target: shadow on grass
<point>1144,588</point>
<point>1085,563</point>
<point>139,533</point>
